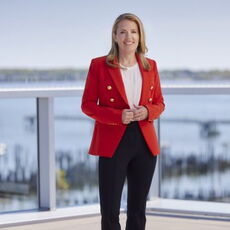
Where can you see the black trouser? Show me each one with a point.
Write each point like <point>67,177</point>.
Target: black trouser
<point>133,160</point>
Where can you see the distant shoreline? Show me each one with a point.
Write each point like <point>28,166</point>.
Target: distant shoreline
<point>33,75</point>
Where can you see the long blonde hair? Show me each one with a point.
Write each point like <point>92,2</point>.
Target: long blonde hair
<point>113,55</point>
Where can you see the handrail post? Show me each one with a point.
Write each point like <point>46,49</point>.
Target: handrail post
<point>46,154</point>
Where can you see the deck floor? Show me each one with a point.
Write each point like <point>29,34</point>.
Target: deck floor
<point>154,222</point>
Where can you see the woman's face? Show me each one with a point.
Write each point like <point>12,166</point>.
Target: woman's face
<point>127,37</point>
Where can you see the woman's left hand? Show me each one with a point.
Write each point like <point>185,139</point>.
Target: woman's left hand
<point>140,113</point>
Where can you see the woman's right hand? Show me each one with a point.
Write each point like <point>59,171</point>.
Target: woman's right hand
<point>127,116</point>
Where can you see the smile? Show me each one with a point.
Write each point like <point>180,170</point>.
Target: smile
<point>128,43</point>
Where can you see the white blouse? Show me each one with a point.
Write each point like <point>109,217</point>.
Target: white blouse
<point>132,80</point>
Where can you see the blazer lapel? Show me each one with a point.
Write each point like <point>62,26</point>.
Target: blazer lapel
<point>117,79</point>
<point>145,81</point>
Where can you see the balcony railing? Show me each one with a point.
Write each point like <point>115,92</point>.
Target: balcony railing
<point>47,165</point>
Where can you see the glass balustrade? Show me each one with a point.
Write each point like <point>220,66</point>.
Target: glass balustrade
<point>76,171</point>
<point>194,160</point>
<point>18,155</point>
<point>195,145</point>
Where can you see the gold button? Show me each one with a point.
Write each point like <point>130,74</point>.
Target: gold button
<point>151,87</point>
<point>111,99</point>
<point>109,87</point>
<point>150,99</point>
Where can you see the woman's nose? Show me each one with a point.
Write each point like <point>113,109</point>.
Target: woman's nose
<point>128,35</point>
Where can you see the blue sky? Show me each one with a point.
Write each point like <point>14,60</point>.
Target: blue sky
<point>192,34</point>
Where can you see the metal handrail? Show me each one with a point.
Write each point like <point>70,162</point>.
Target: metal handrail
<point>27,92</point>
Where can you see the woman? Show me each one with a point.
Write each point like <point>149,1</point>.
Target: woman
<point>123,95</point>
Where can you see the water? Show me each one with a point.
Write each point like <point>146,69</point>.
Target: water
<point>46,84</point>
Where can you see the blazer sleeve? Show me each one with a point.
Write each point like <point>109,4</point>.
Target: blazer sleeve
<point>157,106</point>
<point>90,106</point>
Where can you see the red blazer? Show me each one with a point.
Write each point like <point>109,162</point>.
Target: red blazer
<point>104,99</point>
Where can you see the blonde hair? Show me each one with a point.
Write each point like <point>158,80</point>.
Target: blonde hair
<point>113,55</point>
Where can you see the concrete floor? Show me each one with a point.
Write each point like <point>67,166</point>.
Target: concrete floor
<point>153,223</point>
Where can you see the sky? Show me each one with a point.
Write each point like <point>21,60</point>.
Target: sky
<point>180,34</point>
